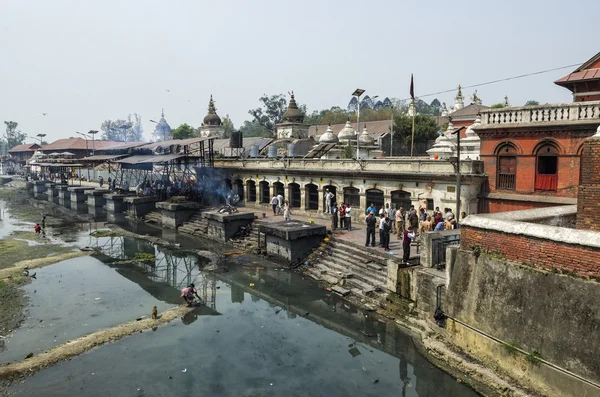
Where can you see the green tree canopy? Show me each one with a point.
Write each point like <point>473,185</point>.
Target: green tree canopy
<point>184,131</point>
<point>426,128</point>
<point>12,135</point>
<point>228,125</point>
<point>532,103</point>
<point>254,128</point>
<point>497,106</point>
<point>116,130</point>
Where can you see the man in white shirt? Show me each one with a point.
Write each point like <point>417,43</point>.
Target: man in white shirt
<point>328,200</point>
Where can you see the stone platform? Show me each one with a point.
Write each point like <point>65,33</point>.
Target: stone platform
<point>140,206</point>
<point>292,240</point>
<point>223,226</point>
<point>115,207</point>
<point>175,214</point>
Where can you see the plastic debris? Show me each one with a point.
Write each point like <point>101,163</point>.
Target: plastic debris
<point>97,299</point>
<point>252,284</point>
<point>184,370</point>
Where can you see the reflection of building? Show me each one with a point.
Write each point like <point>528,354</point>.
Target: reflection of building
<point>237,294</point>
<point>212,125</point>
<point>531,154</point>
<point>162,131</point>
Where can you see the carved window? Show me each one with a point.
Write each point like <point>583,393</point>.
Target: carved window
<point>546,176</point>
<point>507,167</point>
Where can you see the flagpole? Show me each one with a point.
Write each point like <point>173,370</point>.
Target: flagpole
<point>412,139</point>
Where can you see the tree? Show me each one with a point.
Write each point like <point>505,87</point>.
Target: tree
<point>387,103</point>
<point>426,128</point>
<point>12,135</point>
<point>116,130</point>
<point>137,130</point>
<point>228,125</point>
<point>436,107</point>
<point>497,106</point>
<point>254,128</point>
<point>532,103</point>
<point>352,105</point>
<point>184,131</point>
<point>271,113</point>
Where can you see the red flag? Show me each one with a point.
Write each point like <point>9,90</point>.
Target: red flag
<point>412,88</point>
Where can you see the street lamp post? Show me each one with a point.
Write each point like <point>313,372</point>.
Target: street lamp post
<point>357,93</point>
<point>92,133</point>
<point>41,136</point>
<point>87,150</point>
<point>458,178</point>
<point>161,128</point>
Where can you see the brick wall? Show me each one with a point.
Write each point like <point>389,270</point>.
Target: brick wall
<point>588,203</point>
<point>544,254</point>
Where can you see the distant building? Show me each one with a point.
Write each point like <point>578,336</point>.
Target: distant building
<point>531,154</point>
<point>22,153</point>
<point>212,125</point>
<point>162,131</point>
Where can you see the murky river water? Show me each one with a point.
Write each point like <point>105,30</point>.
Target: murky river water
<point>282,336</point>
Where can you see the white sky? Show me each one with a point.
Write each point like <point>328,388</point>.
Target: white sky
<point>84,61</point>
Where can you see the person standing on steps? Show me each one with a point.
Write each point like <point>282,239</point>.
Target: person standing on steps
<point>381,227</point>
<point>44,222</point>
<point>387,229</point>
<point>334,216</point>
<point>342,215</point>
<point>371,222</point>
<point>399,222</point>
<point>274,202</point>
<point>348,217</point>
<point>279,204</point>
<point>287,212</point>
<point>328,200</point>
<point>408,236</point>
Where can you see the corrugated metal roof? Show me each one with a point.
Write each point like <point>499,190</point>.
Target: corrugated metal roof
<point>156,158</point>
<point>28,147</point>
<point>220,144</point>
<point>183,142</point>
<point>99,157</point>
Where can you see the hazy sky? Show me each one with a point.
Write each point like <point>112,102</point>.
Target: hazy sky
<point>84,61</point>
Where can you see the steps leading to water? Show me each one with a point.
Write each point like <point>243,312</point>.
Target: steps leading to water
<point>363,271</point>
<point>154,217</point>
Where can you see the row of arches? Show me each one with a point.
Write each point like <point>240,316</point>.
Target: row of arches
<point>261,192</point>
<point>546,165</point>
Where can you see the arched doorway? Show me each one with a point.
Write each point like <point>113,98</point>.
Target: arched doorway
<point>251,191</point>
<point>238,189</point>
<point>400,198</point>
<point>507,167</point>
<point>352,196</point>
<point>265,194</point>
<point>375,196</point>
<point>546,171</point>
<point>279,189</point>
<point>294,195</point>
<point>312,196</point>
<point>333,190</point>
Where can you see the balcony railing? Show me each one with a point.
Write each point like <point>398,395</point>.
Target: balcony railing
<point>570,112</point>
<point>506,181</point>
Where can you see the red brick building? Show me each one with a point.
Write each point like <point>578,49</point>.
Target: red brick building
<point>584,82</point>
<point>532,154</point>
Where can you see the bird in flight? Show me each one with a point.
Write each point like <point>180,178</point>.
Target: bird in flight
<point>44,114</point>
<point>168,90</point>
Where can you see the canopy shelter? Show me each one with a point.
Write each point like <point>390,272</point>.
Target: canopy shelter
<point>63,170</point>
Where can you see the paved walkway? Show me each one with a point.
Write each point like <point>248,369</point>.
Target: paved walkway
<point>357,235</point>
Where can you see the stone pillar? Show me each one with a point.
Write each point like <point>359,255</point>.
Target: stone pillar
<point>78,198</point>
<point>588,200</point>
<point>321,200</point>
<point>303,203</point>
<point>64,196</point>
<point>363,202</point>
<point>39,190</point>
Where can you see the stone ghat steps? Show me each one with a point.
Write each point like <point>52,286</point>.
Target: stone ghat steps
<point>195,225</point>
<point>359,288</point>
<point>249,242</point>
<point>339,265</point>
<point>367,254</point>
<point>154,217</point>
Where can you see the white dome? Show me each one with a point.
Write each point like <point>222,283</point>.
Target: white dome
<point>347,133</point>
<point>328,136</point>
<point>365,137</point>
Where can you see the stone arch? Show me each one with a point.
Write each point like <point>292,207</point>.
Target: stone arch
<point>251,190</point>
<point>279,188</point>
<point>294,194</point>
<point>546,165</point>
<point>238,188</point>
<point>375,196</point>
<point>264,192</point>
<point>311,194</point>
<point>550,142</point>
<point>512,147</point>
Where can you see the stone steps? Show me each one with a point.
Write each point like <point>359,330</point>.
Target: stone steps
<point>195,225</point>
<point>341,263</point>
<point>368,254</point>
<point>154,217</point>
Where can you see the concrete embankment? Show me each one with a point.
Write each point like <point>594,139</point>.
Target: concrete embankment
<point>81,345</point>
